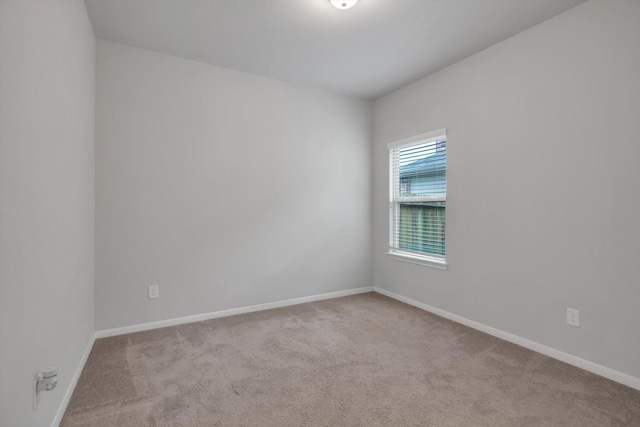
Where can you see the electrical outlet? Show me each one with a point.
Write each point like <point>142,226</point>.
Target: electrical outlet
<point>573,317</point>
<point>154,292</point>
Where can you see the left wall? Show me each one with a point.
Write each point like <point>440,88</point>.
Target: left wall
<point>47,209</point>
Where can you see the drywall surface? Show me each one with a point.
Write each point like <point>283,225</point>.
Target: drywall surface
<point>222,188</point>
<point>47,87</point>
<point>543,201</point>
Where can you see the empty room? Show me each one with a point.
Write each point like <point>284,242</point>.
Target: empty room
<point>319,213</point>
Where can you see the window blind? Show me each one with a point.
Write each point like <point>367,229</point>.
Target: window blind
<point>418,195</point>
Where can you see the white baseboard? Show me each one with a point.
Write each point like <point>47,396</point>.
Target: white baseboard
<point>72,384</point>
<point>603,371</point>
<point>230,312</point>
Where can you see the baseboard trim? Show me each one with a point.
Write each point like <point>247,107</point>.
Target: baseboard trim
<point>603,371</point>
<point>72,385</point>
<point>229,312</point>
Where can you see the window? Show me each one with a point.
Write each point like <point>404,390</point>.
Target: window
<point>418,197</point>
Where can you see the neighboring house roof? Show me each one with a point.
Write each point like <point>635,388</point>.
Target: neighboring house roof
<point>429,166</point>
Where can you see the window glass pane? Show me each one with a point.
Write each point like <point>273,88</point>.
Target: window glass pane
<point>422,169</point>
<point>421,227</point>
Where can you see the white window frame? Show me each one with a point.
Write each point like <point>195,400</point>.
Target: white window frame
<point>394,198</point>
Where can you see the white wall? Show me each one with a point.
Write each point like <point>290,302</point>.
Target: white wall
<point>543,201</point>
<point>223,188</point>
<point>47,84</point>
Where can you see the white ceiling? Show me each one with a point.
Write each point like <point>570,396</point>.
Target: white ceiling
<point>367,51</point>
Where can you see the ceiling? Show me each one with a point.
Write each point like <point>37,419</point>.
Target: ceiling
<point>366,52</point>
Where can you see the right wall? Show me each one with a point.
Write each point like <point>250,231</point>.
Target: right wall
<point>543,190</point>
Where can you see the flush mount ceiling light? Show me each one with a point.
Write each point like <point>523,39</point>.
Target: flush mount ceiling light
<point>343,4</point>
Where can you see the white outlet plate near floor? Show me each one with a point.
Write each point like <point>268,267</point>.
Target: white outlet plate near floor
<point>573,317</point>
<point>154,292</point>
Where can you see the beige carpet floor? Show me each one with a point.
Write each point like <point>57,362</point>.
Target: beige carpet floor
<point>364,360</point>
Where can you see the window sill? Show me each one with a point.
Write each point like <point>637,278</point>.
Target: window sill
<point>425,260</point>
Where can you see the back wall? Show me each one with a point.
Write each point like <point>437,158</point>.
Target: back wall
<point>223,188</point>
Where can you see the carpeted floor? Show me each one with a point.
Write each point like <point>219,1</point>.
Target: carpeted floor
<point>364,360</point>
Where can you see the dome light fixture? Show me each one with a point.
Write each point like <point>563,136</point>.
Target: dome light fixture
<point>343,4</point>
